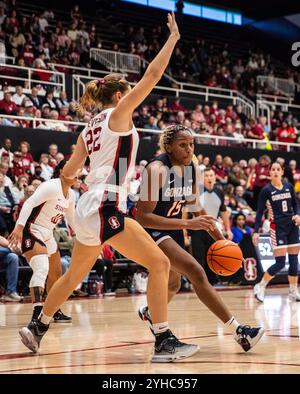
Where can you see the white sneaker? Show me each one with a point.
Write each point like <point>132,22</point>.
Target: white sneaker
<point>294,295</point>
<point>12,297</point>
<point>259,292</point>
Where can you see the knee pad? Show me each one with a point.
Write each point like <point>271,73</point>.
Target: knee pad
<point>293,262</point>
<point>40,268</point>
<point>280,263</point>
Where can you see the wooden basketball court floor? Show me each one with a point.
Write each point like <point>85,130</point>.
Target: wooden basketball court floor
<point>107,337</point>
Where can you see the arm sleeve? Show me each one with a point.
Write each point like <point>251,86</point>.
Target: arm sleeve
<point>294,200</point>
<point>71,211</point>
<point>46,191</point>
<point>220,194</point>
<point>262,199</point>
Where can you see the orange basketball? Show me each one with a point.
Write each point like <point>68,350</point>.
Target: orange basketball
<point>224,257</point>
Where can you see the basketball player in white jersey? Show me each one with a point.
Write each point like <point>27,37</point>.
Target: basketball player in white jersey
<point>50,203</point>
<point>111,141</point>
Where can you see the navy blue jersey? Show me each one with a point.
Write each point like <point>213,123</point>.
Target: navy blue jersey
<point>175,191</point>
<point>282,204</point>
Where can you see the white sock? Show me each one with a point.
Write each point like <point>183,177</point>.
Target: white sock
<point>293,287</point>
<point>232,324</point>
<point>263,283</point>
<point>44,318</point>
<point>158,328</point>
<point>37,304</point>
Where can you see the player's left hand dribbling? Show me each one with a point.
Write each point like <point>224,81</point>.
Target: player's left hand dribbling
<point>296,220</point>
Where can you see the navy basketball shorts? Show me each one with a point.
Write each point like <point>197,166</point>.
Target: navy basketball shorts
<point>160,235</point>
<point>284,234</point>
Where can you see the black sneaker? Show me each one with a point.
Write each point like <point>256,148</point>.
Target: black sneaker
<point>248,337</point>
<point>145,316</point>
<point>168,348</point>
<point>59,317</point>
<point>36,312</point>
<point>32,335</point>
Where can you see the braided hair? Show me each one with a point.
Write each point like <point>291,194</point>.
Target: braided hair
<point>169,135</point>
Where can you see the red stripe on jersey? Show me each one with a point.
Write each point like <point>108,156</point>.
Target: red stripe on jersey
<point>115,161</point>
<point>38,211</point>
<point>101,215</point>
<point>129,158</point>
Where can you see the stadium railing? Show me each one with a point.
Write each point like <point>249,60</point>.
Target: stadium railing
<point>117,61</point>
<point>200,138</point>
<point>28,77</point>
<point>285,86</point>
<point>206,92</point>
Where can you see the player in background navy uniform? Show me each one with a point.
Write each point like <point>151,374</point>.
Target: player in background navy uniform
<point>110,140</point>
<point>47,207</point>
<point>280,199</point>
<point>170,182</point>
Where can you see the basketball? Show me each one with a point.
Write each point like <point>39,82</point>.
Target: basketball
<point>224,257</point>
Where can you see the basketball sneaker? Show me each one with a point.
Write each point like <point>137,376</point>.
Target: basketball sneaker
<point>60,317</point>
<point>145,316</point>
<point>294,295</point>
<point>259,292</point>
<point>36,312</point>
<point>32,335</point>
<point>168,348</point>
<point>248,337</point>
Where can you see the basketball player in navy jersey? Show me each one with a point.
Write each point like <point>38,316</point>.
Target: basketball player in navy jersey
<point>170,182</point>
<point>280,199</point>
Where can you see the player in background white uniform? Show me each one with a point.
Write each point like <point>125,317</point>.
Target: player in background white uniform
<point>52,201</point>
<point>110,140</point>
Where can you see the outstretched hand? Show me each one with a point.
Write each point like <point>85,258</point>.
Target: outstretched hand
<point>172,25</point>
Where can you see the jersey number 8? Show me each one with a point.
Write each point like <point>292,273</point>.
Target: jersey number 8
<point>284,206</point>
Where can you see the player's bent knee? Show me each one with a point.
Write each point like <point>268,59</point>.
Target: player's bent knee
<point>160,264</point>
<point>40,268</point>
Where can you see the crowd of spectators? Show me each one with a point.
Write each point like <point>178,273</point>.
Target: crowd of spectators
<point>21,174</point>
<point>37,40</point>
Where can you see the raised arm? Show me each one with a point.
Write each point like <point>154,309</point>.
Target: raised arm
<point>123,111</point>
<point>76,162</point>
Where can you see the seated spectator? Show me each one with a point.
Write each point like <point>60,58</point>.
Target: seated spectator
<point>47,170</point>
<point>53,123</point>
<point>27,55</point>
<point>62,101</point>
<point>6,152</point>
<point>286,133</point>
<point>53,150</point>
<point>151,125</point>
<point>220,171</point>
<point>239,228</point>
<point>241,201</point>
<point>35,99</point>
<point>19,97</point>
<point>236,176</point>
<point>9,261</point>
<point>49,99</point>
<point>17,168</point>
<point>18,189</point>
<point>4,170</point>
<point>176,106</point>
<point>7,106</point>
<point>7,206</point>
<point>27,159</point>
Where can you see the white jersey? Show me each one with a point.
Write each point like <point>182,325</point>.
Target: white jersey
<point>48,206</point>
<point>112,154</point>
